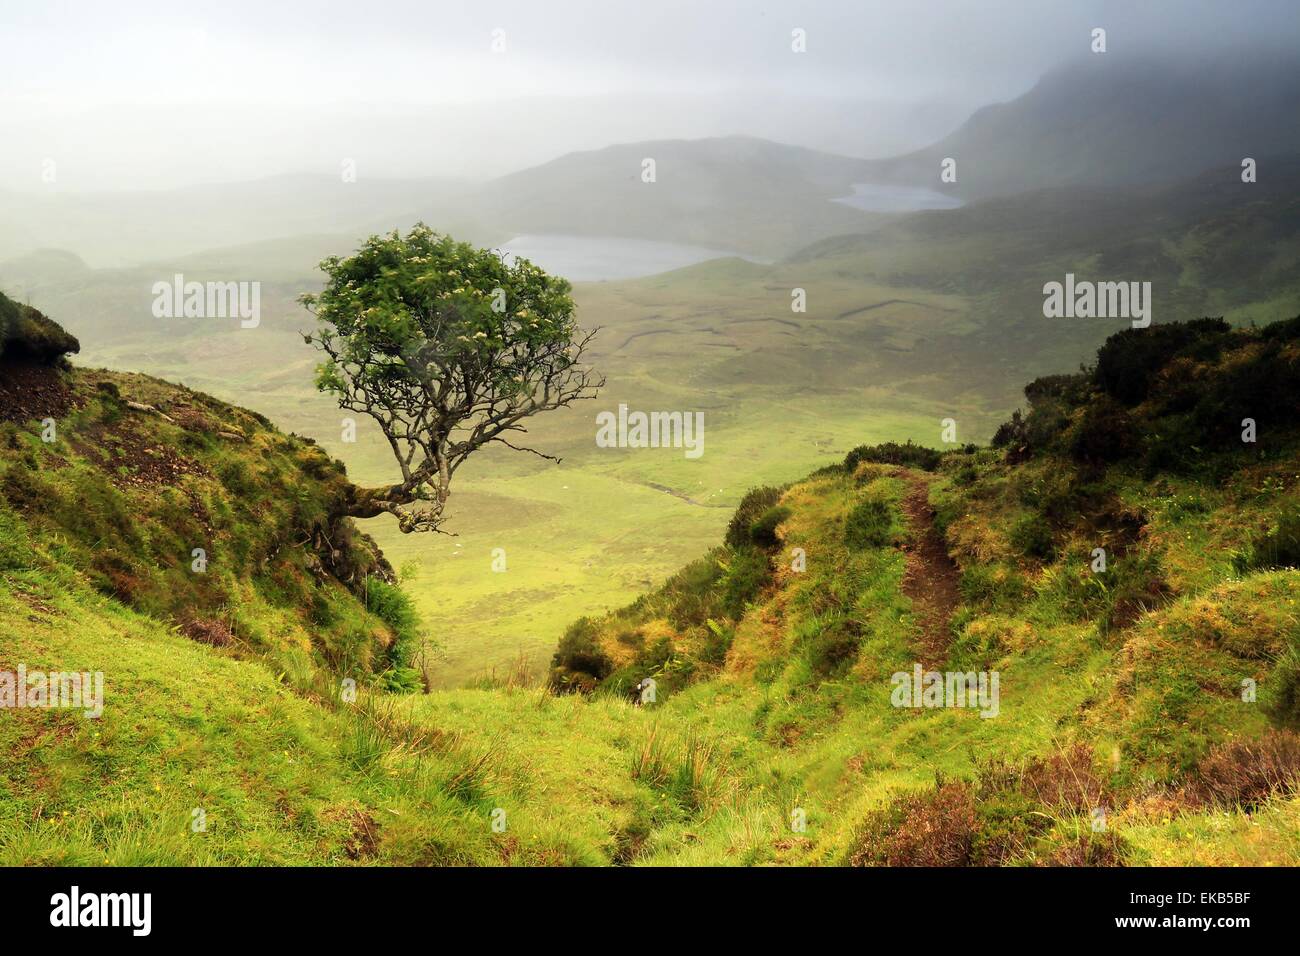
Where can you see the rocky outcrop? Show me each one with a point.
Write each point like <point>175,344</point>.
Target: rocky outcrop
<point>28,336</point>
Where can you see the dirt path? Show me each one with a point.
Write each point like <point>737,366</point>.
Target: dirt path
<point>930,579</point>
<point>30,391</point>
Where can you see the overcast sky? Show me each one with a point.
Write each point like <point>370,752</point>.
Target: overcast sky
<point>148,94</point>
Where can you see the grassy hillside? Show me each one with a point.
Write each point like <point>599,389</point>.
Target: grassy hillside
<point>772,737</point>
<point>1121,689</point>
<point>224,682</point>
<point>189,510</point>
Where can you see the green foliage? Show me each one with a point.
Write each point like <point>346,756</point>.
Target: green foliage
<point>447,347</point>
<point>363,746</point>
<point>1007,824</point>
<point>671,669</point>
<point>1036,811</point>
<point>1032,537</point>
<point>28,335</point>
<point>15,549</point>
<point>579,663</point>
<point>424,295</point>
<point>993,588</point>
<point>756,503</point>
<point>1104,433</point>
<point>687,770</point>
<point>1130,360</point>
<point>718,642</point>
<point>744,575</point>
<point>801,717</point>
<point>392,605</point>
<point>892,453</point>
<point>1278,547</point>
<point>832,643</point>
<point>702,601</point>
<point>1036,432</point>
<point>716,586</point>
<point>868,525</point>
<point>1069,390</point>
<point>1134,585</point>
<point>240,477</point>
<point>24,488</point>
<point>630,637</point>
<point>691,593</point>
<point>1173,397</point>
<point>1285,704</point>
<point>763,531</point>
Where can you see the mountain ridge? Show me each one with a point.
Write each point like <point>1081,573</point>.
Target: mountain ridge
<point>1153,121</point>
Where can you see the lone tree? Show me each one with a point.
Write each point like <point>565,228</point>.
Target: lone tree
<point>449,348</point>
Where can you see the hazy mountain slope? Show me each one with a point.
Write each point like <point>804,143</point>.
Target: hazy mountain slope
<point>1106,120</point>
<point>125,228</point>
<point>740,193</point>
<point>1112,120</point>
<point>1210,245</point>
<point>16,237</point>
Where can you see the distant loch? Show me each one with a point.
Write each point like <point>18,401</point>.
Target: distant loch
<point>596,258</point>
<point>873,197</point>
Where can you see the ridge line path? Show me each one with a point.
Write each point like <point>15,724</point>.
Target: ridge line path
<point>930,578</point>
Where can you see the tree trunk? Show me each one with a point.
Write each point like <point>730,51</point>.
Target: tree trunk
<point>372,502</point>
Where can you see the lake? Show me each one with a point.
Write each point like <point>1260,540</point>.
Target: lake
<point>593,258</point>
<point>872,197</point>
